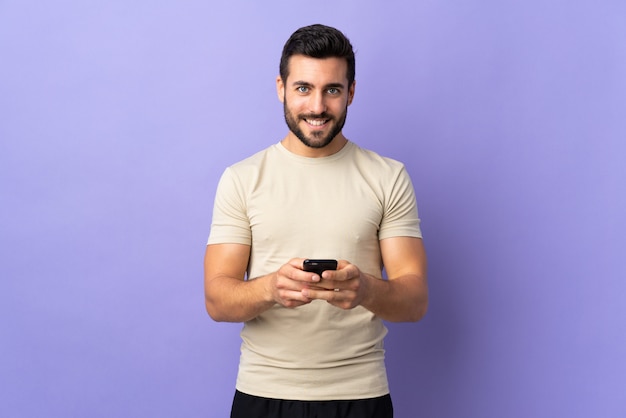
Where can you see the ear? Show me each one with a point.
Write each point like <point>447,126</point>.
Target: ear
<point>351,92</point>
<point>280,89</point>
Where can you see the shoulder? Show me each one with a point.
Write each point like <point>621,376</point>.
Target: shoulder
<point>251,166</point>
<point>255,160</point>
<point>375,161</point>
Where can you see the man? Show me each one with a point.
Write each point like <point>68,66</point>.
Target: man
<point>313,345</point>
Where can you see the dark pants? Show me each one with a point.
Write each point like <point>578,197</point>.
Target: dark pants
<point>248,406</point>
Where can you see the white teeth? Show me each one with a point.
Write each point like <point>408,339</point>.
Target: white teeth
<point>316,122</point>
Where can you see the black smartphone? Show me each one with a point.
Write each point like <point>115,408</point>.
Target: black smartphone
<point>319,266</point>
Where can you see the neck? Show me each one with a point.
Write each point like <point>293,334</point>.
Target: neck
<point>293,144</point>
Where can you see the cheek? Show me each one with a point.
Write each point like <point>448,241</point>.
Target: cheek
<point>339,107</point>
<point>295,104</point>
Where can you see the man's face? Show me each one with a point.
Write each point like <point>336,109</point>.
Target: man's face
<point>315,98</point>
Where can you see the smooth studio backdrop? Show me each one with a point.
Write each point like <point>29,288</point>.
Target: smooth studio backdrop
<point>117,119</point>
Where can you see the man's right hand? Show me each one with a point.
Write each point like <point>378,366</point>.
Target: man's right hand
<point>287,283</point>
<point>230,298</point>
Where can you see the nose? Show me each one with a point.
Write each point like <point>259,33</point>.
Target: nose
<point>317,102</point>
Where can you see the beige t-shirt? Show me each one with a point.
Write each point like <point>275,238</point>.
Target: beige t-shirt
<point>284,206</point>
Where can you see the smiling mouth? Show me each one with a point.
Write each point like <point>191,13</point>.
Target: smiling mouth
<point>316,121</point>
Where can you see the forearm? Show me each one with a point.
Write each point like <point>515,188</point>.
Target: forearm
<point>402,299</point>
<point>230,299</point>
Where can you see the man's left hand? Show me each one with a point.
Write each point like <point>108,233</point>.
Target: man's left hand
<point>345,287</point>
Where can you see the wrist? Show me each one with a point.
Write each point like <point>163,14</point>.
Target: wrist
<point>371,289</point>
<point>267,288</point>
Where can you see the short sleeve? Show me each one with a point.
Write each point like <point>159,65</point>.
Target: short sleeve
<point>400,216</point>
<point>230,222</point>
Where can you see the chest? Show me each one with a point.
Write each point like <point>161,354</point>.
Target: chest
<point>315,205</point>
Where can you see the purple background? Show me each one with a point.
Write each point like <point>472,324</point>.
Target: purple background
<point>117,118</point>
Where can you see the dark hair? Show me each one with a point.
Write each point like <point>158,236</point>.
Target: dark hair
<point>318,41</point>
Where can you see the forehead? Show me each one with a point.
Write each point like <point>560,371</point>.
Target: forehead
<point>321,71</point>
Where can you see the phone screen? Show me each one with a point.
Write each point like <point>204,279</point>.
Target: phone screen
<point>319,266</point>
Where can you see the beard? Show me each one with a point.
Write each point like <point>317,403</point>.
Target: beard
<point>317,139</point>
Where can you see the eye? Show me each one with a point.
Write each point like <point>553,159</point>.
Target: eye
<point>333,91</point>
<point>302,89</point>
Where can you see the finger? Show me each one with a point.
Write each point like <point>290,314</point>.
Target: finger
<point>341,264</point>
<point>286,283</point>
<point>293,271</point>
<point>344,299</point>
<point>296,262</point>
<point>328,295</point>
<point>341,274</point>
<point>292,299</point>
